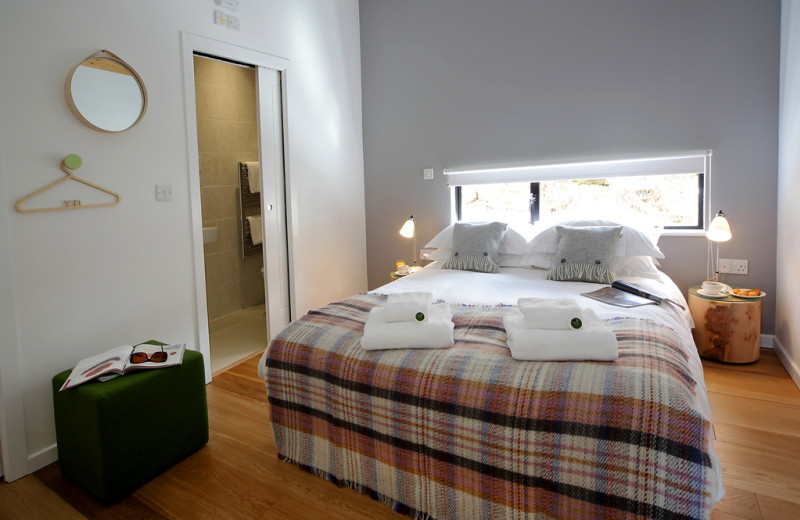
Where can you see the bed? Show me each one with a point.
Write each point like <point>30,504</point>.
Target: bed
<point>470,432</point>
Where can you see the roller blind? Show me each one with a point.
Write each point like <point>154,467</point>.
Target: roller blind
<point>693,162</point>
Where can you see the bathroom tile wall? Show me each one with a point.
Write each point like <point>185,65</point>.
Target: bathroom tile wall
<point>227,134</point>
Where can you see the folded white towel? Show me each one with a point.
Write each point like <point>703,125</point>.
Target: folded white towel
<point>593,341</point>
<point>551,314</point>
<point>254,176</point>
<point>255,229</point>
<point>436,332</point>
<point>406,305</point>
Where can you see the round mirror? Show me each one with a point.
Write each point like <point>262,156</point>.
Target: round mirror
<point>105,93</point>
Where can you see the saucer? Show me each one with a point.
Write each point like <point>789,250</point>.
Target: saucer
<point>722,294</point>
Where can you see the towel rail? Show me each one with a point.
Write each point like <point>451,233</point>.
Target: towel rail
<point>249,204</point>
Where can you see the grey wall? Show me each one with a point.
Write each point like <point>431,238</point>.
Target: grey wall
<point>470,83</point>
<point>787,326</point>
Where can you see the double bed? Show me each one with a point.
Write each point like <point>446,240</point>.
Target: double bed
<point>469,432</point>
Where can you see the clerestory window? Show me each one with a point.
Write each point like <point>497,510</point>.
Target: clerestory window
<point>668,190</point>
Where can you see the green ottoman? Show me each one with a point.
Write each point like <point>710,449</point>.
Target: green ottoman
<point>116,435</point>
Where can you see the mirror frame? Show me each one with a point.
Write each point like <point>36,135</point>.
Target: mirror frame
<point>104,54</point>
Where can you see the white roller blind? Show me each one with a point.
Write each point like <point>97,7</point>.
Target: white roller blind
<point>694,162</point>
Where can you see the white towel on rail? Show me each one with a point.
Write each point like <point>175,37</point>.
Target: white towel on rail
<point>593,341</point>
<point>254,176</point>
<point>547,313</point>
<point>435,332</point>
<point>405,306</point>
<point>255,229</point>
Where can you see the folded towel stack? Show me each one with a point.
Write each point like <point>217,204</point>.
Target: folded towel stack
<point>254,176</point>
<point>555,314</point>
<point>591,341</point>
<point>408,306</point>
<point>398,325</point>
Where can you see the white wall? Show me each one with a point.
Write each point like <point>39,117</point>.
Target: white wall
<point>787,325</point>
<point>471,83</point>
<point>92,279</point>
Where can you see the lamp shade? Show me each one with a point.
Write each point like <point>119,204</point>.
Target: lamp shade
<point>719,230</point>
<point>408,228</point>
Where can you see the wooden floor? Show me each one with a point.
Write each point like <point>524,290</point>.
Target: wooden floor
<point>237,475</point>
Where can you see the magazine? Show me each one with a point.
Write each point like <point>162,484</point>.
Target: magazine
<point>619,298</point>
<point>120,360</point>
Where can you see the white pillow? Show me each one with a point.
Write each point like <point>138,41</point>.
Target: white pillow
<point>443,255</point>
<point>514,242</point>
<point>644,266</point>
<point>634,241</point>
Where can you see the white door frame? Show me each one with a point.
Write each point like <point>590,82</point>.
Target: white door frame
<point>13,437</point>
<point>190,44</point>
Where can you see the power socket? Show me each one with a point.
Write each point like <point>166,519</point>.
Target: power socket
<point>424,252</point>
<point>732,266</point>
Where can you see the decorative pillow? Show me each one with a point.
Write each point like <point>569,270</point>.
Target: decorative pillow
<point>514,241</point>
<point>634,241</point>
<point>443,254</point>
<point>585,253</point>
<point>476,247</point>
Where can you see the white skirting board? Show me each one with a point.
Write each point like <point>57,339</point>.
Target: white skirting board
<point>788,363</point>
<point>42,458</point>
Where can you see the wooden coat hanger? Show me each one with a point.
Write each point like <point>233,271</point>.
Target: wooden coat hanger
<point>69,163</point>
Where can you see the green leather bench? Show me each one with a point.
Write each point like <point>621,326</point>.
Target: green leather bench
<point>116,435</point>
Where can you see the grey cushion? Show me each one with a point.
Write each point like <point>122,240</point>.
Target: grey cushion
<point>476,246</point>
<point>585,253</point>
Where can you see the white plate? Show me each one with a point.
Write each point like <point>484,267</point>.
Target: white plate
<point>748,297</point>
<point>722,294</point>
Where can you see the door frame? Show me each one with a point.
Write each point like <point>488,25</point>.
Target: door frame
<point>192,43</point>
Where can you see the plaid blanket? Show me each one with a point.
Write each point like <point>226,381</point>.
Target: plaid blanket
<point>469,432</point>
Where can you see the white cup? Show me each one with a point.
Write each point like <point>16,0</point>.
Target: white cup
<point>403,269</point>
<point>713,287</point>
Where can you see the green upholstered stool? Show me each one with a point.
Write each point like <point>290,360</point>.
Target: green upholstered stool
<point>116,435</point>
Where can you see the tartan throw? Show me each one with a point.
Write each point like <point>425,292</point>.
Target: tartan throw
<point>469,432</point>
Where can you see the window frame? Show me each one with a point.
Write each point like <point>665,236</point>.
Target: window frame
<point>687,163</point>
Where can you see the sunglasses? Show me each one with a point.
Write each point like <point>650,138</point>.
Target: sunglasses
<point>143,357</point>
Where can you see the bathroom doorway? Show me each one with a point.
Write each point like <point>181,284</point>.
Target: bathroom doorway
<point>235,108</point>
<point>227,141</point>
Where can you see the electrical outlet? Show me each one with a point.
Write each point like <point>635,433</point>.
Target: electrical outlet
<point>220,18</point>
<point>732,266</point>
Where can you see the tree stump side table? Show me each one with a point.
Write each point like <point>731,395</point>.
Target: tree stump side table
<point>726,328</point>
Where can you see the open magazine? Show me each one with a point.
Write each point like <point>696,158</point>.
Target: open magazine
<point>618,297</point>
<point>120,360</point>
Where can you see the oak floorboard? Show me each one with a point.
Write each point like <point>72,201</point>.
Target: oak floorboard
<point>777,509</point>
<point>30,499</point>
<point>752,468</point>
<point>737,503</point>
<point>74,496</point>
<point>758,414</point>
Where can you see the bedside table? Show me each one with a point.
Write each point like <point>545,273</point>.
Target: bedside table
<point>411,270</point>
<point>726,328</point>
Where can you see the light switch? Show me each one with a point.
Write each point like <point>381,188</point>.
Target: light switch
<point>164,192</point>
<point>427,173</point>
